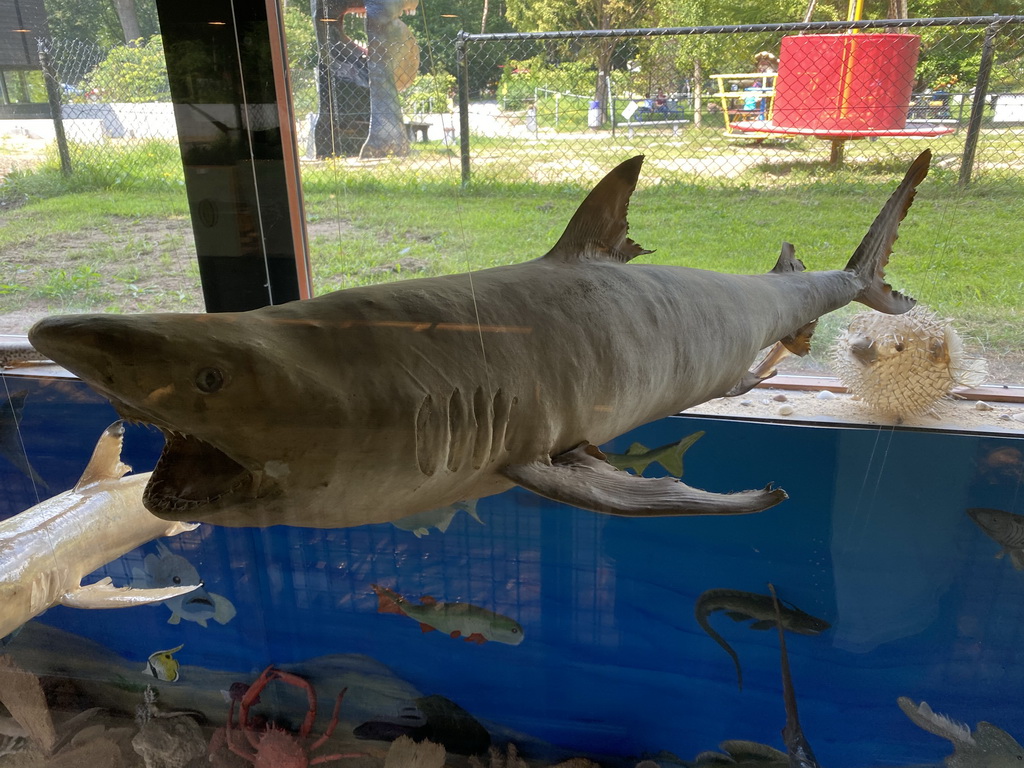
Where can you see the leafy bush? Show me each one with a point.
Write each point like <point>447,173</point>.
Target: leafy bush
<point>520,79</point>
<point>428,93</point>
<point>136,74</point>
<point>302,59</point>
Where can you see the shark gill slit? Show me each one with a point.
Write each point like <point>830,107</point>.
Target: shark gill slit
<point>503,404</point>
<point>483,414</point>
<point>459,431</point>
<point>428,435</point>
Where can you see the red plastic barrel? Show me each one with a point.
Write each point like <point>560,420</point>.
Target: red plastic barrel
<point>853,82</point>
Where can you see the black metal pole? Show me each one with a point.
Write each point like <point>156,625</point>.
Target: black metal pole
<point>463,67</point>
<point>53,95</point>
<point>978,106</point>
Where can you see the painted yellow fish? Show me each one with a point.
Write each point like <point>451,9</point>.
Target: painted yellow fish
<point>163,666</point>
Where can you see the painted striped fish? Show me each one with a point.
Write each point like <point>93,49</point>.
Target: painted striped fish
<point>1005,529</point>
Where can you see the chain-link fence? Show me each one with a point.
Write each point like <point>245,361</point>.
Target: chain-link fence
<point>535,118</point>
<point>747,103</point>
<point>740,104</point>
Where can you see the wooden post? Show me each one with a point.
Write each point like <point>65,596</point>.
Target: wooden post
<point>978,106</point>
<point>463,77</point>
<point>53,95</point>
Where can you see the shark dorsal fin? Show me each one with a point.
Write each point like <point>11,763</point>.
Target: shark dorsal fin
<point>105,463</point>
<point>788,262</point>
<point>597,231</point>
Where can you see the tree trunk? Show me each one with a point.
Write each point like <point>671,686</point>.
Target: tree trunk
<point>343,86</point>
<point>605,51</point>
<point>483,18</point>
<point>897,9</point>
<point>393,59</point>
<point>129,19</point>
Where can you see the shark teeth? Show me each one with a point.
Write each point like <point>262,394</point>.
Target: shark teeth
<point>192,473</point>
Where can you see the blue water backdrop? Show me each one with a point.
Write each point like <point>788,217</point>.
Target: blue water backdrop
<point>874,539</point>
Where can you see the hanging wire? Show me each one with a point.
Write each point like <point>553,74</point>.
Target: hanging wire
<point>459,220</point>
<point>247,124</point>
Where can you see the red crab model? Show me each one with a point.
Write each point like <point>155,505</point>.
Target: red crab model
<point>275,747</point>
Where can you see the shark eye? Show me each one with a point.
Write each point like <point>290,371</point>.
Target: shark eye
<point>209,380</point>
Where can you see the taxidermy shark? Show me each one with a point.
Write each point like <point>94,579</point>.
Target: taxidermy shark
<point>47,550</point>
<point>370,404</point>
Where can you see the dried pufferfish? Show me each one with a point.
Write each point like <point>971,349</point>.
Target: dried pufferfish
<point>903,365</point>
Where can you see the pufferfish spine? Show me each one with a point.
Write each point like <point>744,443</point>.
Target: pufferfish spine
<point>903,365</point>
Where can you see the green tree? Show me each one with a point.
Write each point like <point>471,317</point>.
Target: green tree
<point>131,73</point>
<point>97,21</point>
<point>547,15</point>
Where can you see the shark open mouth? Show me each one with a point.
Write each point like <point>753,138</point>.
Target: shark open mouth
<point>191,473</point>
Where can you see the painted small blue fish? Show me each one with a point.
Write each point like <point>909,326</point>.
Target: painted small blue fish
<point>440,518</point>
<point>163,666</point>
<point>166,569</point>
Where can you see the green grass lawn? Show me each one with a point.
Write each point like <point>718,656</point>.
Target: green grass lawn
<point>127,246</point>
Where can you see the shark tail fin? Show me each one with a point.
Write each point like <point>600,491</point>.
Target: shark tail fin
<point>871,256</point>
<point>105,463</point>
<point>597,231</point>
<point>923,717</point>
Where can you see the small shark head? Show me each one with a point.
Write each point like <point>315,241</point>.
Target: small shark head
<point>205,381</point>
<point>995,522</point>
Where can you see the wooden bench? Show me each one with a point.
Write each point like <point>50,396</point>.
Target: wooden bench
<point>633,125</point>
<point>411,129</point>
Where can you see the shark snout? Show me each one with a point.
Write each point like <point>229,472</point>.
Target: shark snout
<point>87,345</point>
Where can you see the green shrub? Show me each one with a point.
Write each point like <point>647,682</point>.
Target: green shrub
<point>302,58</point>
<point>136,74</point>
<point>428,93</point>
<point>520,80</point>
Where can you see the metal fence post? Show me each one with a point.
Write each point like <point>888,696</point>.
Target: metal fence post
<point>53,95</point>
<point>978,105</point>
<point>463,78</point>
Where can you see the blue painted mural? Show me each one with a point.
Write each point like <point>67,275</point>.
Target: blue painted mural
<point>577,633</point>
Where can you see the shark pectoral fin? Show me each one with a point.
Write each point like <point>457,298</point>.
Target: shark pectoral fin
<point>1017,558</point>
<point>105,463</point>
<point>763,624</point>
<point>103,594</point>
<point>763,370</point>
<point>581,477</point>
